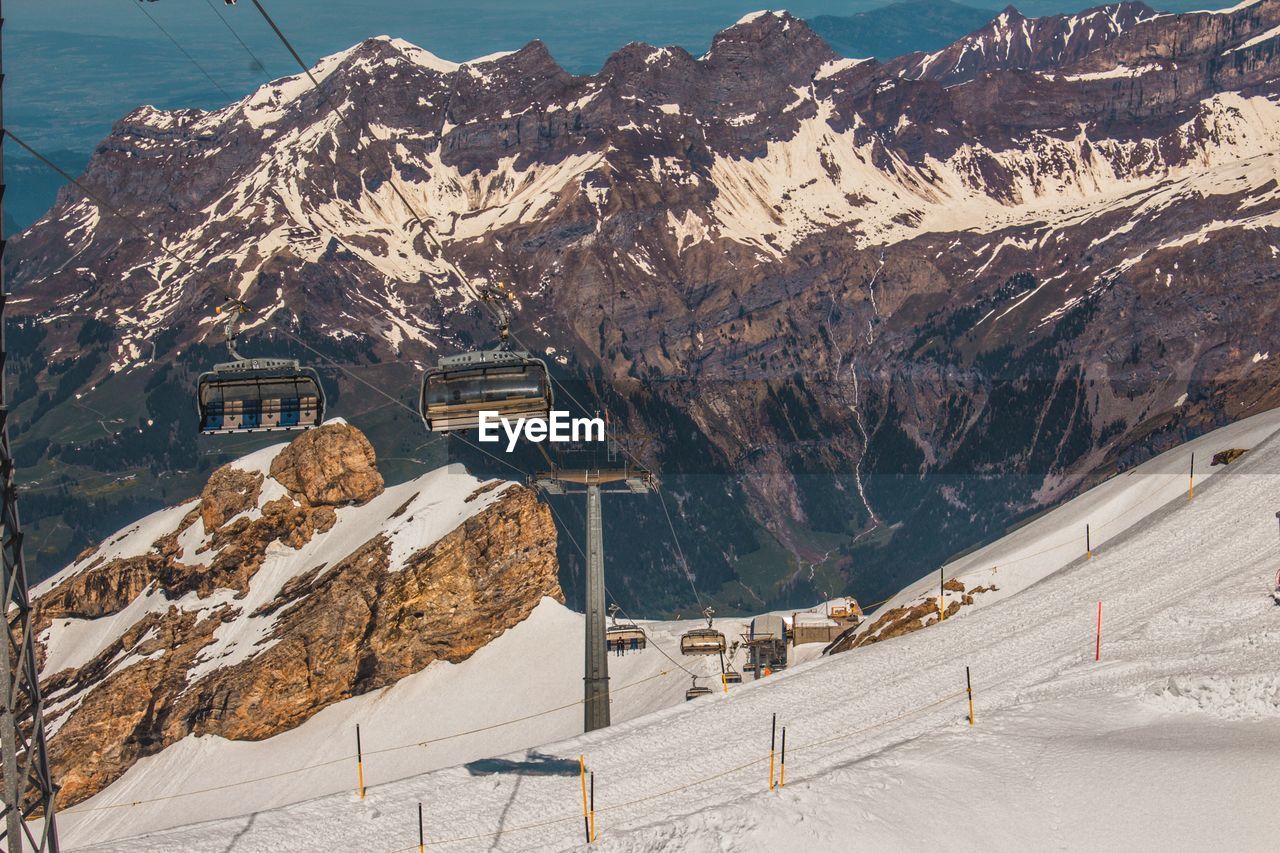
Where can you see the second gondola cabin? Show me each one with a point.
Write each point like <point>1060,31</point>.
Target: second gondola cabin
<point>511,384</point>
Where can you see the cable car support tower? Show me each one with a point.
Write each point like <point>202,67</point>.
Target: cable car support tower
<point>594,482</point>
<point>26,788</point>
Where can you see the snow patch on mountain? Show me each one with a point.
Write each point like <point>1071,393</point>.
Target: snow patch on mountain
<point>802,185</point>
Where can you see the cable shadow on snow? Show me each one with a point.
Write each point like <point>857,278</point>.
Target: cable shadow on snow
<point>240,833</point>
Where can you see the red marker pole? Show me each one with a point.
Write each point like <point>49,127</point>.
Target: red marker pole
<point>1097,648</point>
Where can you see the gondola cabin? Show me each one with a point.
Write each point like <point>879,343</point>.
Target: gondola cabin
<point>702,641</point>
<point>512,384</point>
<point>259,395</point>
<point>621,639</point>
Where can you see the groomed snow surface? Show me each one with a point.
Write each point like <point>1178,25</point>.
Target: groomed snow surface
<point>1169,739</point>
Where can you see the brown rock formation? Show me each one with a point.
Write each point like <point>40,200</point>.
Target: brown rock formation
<point>328,632</point>
<point>332,465</point>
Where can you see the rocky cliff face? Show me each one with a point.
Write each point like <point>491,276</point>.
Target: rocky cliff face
<point>858,320</point>
<point>295,580</point>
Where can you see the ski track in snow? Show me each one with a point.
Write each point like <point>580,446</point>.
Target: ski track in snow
<point>1066,753</point>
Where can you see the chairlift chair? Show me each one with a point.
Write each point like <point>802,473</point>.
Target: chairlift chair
<point>256,394</point>
<point>511,383</point>
<point>695,691</point>
<point>703,641</point>
<point>625,637</point>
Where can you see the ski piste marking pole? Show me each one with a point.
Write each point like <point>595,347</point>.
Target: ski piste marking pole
<point>1097,648</point>
<point>968,685</point>
<point>1191,483</point>
<point>422,840</point>
<point>582,775</point>
<point>782,773</point>
<point>359,763</point>
<point>773,737</point>
<point>942,593</point>
<point>593,805</point>
<point>1088,543</point>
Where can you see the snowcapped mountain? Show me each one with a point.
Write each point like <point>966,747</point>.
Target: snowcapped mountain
<point>1172,727</point>
<point>834,305</point>
<point>294,581</point>
<point>1014,42</point>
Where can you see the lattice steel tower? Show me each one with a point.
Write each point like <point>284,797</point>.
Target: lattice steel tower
<point>25,785</point>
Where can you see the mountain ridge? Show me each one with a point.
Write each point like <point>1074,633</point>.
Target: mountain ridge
<point>805,286</point>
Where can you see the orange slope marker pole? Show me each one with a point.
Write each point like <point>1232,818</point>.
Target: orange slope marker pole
<point>586,820</point>
<point>422,839</point>
<point>1191,483</point>
<point>1097,648</point>
<point>593,806</point>
<point>942,594</point>
<point>1088,543</point>
<point>968,685</point>
<point>359,763</point>
<point>782,774</point>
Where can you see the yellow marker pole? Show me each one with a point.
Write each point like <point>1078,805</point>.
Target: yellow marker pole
<point>1191,485</point>
<point>359,763</point>
<point>586,819</point>
<point>968,683</point>
<point>942,595</point>
<point>1088,543</point>
<point>725,681</point>
<point>422,840</point>
<point>593,806</point>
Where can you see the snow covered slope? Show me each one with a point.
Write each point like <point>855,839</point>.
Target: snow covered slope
<point>1058,538</point>
<point>1174,728</point>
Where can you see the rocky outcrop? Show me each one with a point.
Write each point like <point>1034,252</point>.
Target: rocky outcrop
<point>906,619</point>
<point>330,466</point>
<point>217,648</point>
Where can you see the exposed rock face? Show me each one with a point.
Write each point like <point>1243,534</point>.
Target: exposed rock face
<point>329,466</point>
<point>216,648</point>
<point>828,301</point>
